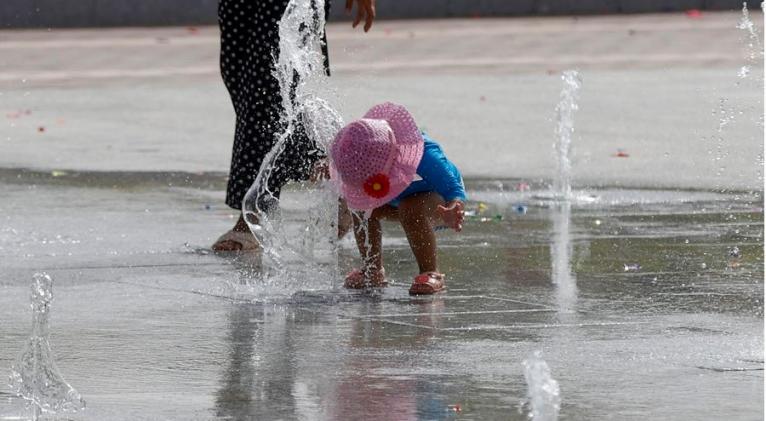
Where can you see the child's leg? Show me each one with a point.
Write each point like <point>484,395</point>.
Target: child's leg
<point>417,213</point>
<point>345,220</point>
<point>369,240</point>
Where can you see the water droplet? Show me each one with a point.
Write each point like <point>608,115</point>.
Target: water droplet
<point>734,252</point>
<point>744,72</point>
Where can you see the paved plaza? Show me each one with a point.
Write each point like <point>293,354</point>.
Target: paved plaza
<point>644,297</point>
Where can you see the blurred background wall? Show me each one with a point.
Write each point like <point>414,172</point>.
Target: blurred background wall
<point>95,13</point>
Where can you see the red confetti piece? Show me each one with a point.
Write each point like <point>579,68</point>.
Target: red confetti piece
<point>455,407</point>
<point>192,29</point>
<point>17,114</point>
<point>694,13</point>
<point>621,154</point>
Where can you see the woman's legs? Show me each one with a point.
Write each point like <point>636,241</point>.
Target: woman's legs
<point>237,44</point>
<point>249,40</point>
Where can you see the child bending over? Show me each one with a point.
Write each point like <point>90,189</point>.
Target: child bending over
<point>385,168</point>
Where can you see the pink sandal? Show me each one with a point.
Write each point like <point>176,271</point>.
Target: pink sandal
<point>356,279</point>
<point>427,283</point>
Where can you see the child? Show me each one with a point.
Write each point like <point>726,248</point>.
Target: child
<point>374,162</point>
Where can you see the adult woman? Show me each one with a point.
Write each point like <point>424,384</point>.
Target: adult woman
<point>249,41</point>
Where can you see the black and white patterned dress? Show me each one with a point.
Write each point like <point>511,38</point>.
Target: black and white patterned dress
<point>249,41</point>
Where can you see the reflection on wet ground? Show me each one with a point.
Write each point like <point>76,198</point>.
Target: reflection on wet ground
<point>645,304</point>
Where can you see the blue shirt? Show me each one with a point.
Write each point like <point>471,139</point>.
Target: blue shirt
<point>438,175</point>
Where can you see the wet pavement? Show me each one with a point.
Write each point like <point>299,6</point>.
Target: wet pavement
<point>148,325</point>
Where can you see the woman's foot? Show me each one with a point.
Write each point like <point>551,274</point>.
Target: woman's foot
<point>427,283</point>
<point>358,279</point>
<point>239,238</point>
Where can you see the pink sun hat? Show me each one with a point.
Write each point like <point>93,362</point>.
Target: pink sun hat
<point>374,159</point>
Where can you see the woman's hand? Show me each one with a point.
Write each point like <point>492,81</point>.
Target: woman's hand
<point>365,9</point>
<point>452,214</point>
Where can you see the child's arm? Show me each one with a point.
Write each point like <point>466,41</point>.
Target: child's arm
<point>444,176</point>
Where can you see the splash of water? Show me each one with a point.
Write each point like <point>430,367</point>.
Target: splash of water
<point>34,375</point>
<point>543,394</point>
<point>727,113</point>
<point>561,247</point>
<point>565,110</point>
<point>299,70</point>
<point>725,117</point>
<point>561,258</point>
<point>754,50</point>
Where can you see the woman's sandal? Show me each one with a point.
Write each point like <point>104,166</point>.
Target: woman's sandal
<point>427,283</point>
<point>245,239</point>
<point>356,279</point>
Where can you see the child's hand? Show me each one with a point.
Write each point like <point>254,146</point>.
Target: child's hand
<point>321,171</point>
<point>452,214</point>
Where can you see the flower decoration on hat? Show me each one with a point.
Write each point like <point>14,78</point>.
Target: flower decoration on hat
<point>377,186</point>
